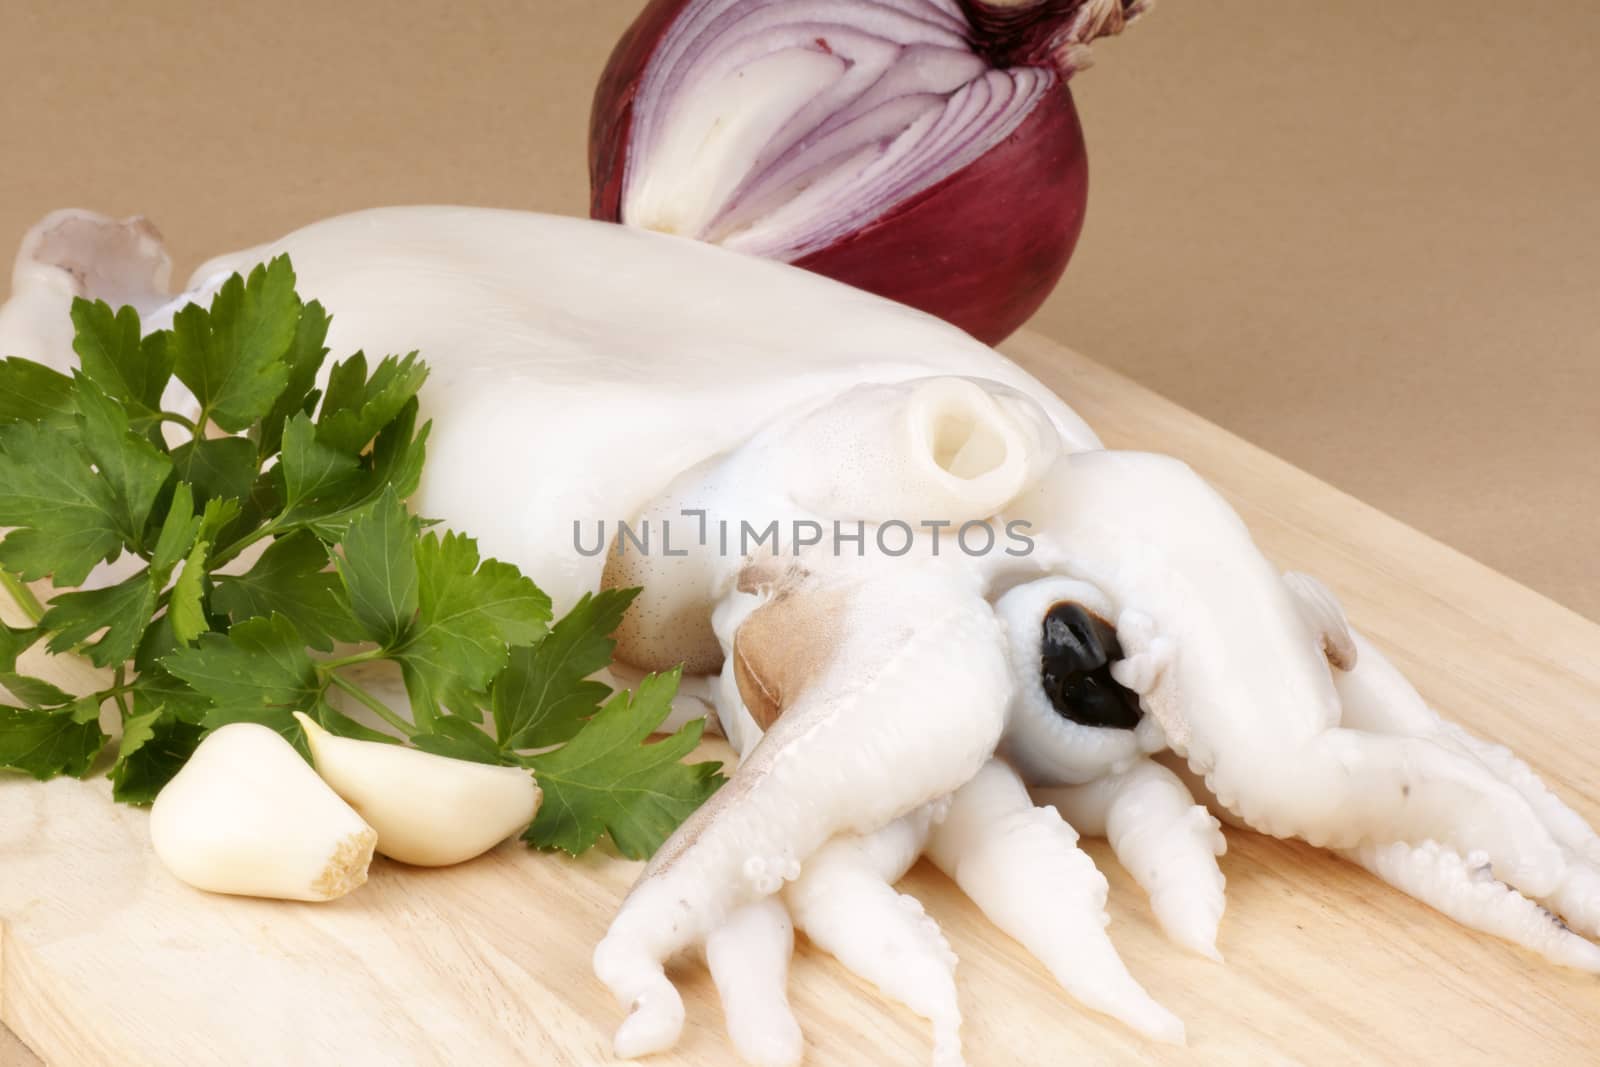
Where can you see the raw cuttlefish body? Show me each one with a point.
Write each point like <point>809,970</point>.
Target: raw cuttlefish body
<point>963,599</point>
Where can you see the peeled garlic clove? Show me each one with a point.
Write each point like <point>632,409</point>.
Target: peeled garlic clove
<point>429,810</point>
<point>247,815</point>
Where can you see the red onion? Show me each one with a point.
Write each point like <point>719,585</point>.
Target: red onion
<point>925,150</point>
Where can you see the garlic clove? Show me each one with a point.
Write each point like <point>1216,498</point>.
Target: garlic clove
<point>428,810</point>
<point>247,815</point>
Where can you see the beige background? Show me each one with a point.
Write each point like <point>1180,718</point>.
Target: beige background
<point>1364,235</point>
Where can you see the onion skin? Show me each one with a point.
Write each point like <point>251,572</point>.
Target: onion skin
<point>1046,32</point>
<point>983,246</point>
<point>611,114</point>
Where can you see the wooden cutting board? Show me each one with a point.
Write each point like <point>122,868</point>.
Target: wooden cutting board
<point>104,959</point>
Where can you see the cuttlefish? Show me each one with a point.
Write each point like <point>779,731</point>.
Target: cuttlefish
<point>932,614</point>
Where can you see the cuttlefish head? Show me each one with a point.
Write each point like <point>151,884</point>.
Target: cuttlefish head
<point>942,451</point>
<point>1071,720</point>
<point>873,683</point>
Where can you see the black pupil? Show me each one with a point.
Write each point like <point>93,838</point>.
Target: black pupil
<point>1075,660</point>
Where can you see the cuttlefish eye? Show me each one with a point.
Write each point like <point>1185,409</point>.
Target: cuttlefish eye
<point>1076,651</point>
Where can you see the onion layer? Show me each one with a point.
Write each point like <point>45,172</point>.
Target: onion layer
<point>925,150</point>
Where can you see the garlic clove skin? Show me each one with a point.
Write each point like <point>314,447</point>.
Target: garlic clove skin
<point>246,815</point>
<point>428,810</point>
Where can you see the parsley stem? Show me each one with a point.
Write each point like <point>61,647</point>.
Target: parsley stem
<point>377,706</point>
<point>355,657</point>
<point>174,417</point>
<point>119,690</point>
<point>267,529</point>
<point>26,601</point>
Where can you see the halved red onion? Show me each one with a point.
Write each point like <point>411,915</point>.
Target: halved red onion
<point>925,150</point>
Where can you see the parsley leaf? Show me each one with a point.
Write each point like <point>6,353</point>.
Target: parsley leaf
<point>394,463</point>
<point>34,692</point>
<point>398,452</point>
<point>607,780</point>
<point>258,672</point>
<point>338,723</point>
<point>317,479</point>
<point>133,468</point>
<point>459,739</point>
<point>217,468</point>
<point>48,743</point>
<point>114,355</point>
<point>218,513</point>
<point>155,745</point>
<point>65,513</point>
<point>186,608</point>
<point>379,568</point>
<point>304,358</point>
<point>157,690</point>
<point>14,642</point>
<point>123,609</point>
<point>467,613</point>
<point>356,406</point>
<point>231,357</point>
<point>543,696</point>
<point>290,578</point>
<point>178,531</point>
<point>32,392</point>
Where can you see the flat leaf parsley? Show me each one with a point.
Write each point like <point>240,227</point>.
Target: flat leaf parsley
<point>307,487</point>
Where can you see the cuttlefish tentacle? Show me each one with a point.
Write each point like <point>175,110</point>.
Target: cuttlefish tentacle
<point>1167,842</point>
<point>1465,891</point>
<point>1454,876</point>
<point>1378,697</point>
<point>846,903</point>
<point>882,691</point>
<point>1325,615</point>
<point>1347,787</point>
<point>1074,736</point>
<point>1241,680</point>
<point>748,956</point>
<point>1021,865</point>
<point>845,899</point>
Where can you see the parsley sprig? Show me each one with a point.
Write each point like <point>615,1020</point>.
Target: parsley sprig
<point>311,481</point>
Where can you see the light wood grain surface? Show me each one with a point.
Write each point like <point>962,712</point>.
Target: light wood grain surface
<point>104,959</point>
<point>13,1053</point>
